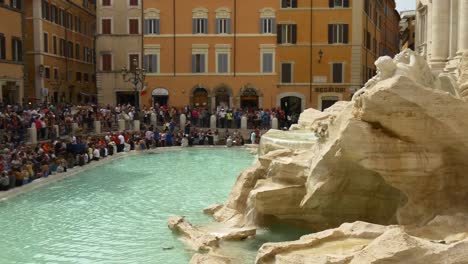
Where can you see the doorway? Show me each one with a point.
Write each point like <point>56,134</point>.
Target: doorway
<point>291,105</point>
<point>125,98</point>
<point>249,99</point>
<point>328,101</point>
<point>222,97</point>
<point>160,96</point>
<point>200,98</point>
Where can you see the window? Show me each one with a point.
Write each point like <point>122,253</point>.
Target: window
<point>54,44</point>
<point>198,63</point>
<point>77,24</point>
<point>56,74</point>
<point>106,2</point>
<point>222,63</point>
<point>61,17</point>
<point>338,3</point>
<point>62,47</point>
<point>16,50</point>
<point>45,10</point>
<point>15,4</point>
<point>46,42</point>
<point>106,26</point>
<point>286,73</point>
<point>267,25</point>
<point>223,26</point>
<point>2,47</point>
<point>151,26</point>
<point>133,61</point>
<point>85,77</point>
<point>85,54</point>
<point>133,2</point>
<point>53,13</point>
<point>133,26</point>
<point>375,46</point>
<point>151,63</point>
<point>267,62</point>
<point>70,21</point>
<point>368,40</point>
<point>70,49</point>
<point>200,26</point>
<point>77,51</point>
<point>78,76</point>
<point>47,72</point>
<point>338,33</point>
<point>106,62</point>
<point>337,69</point>
<point>287,34</point>
<point>288,3</point>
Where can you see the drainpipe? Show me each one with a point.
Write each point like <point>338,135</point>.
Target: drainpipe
<point>365,46</point>
<point>174,35</point>
<point>24,56</point>
<point>142,56</point>
<point>66,47</point>
<point>311,55</point>
<point>235,38</point>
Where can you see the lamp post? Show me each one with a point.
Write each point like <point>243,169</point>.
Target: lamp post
<point>134,76</point>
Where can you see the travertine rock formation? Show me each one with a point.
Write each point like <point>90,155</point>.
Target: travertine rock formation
<point>396,156</point>
<point>360,242</point>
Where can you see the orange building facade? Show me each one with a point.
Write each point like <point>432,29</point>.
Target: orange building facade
<point>293,54</point>
<point>11,52</point>
<point>60,51</point>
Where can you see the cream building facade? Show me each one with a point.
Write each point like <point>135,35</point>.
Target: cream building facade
<point>442,33</point>
<point>118,42</point>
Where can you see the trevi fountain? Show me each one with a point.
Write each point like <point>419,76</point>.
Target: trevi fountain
<point>382,178</point>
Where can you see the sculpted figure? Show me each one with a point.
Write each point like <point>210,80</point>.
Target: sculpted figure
<point>407,63</point>
<point>413,66</point>
<point>386,68</point>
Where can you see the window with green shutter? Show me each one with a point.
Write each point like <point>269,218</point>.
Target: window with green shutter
<point>267,62</point>
<point>152,27</point>
<point>223,60</point>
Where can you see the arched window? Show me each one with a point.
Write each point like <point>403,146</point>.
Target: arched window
<point>223,21</point>
<point>267,21</point>
<point>200,21</point>
<point>152,22</point>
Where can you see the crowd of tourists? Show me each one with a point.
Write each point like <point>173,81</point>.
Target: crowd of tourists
<point>22,163</point>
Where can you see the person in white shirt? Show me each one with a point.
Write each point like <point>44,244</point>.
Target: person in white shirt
<point>120,146</point>
<point>96,154</point>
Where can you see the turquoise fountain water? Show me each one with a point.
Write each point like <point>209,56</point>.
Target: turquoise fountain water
<point>117,213</point>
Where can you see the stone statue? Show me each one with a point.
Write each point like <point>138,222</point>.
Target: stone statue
<point>407,63</point>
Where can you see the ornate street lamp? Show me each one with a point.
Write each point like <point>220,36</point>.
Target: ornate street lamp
<point>135,76</point>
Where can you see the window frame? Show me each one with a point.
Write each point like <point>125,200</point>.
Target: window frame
<point>129,25</point>
<point>110,26</point>
<point>292,4</point>
<point>16,49</point>
<point>104,69</point>
<point>332,71</point>
<point>45,42</point>
<point>291,72</point>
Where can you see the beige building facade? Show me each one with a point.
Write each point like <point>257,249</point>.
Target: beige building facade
<point>118,43</point>
<point>11,52</point>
